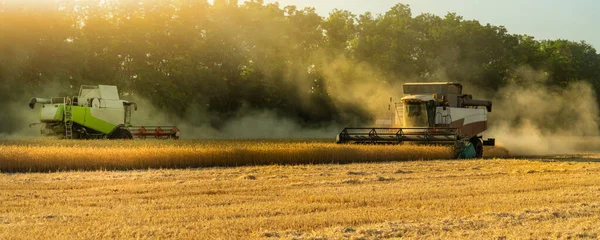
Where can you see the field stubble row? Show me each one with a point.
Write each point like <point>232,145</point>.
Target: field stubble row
<point>450,199</point>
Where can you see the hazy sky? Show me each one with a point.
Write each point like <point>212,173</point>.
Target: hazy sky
<point>544,19</point>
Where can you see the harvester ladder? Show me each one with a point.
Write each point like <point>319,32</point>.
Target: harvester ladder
<point>128,115</point>
<point>68,112</point>
<point>398,118</point>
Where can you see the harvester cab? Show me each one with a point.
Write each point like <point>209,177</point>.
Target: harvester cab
<point>95,113</point>
<point>420,111</point>
<point>432,113</point>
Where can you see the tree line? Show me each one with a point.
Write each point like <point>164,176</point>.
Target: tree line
<point>225,57</point>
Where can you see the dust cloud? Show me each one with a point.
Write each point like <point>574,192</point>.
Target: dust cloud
<point>532,118</point>
<point>353,87</point>
<point>17,125</point>
<point>16,116</point>
<point>360,85</point>
<point>248,124</point>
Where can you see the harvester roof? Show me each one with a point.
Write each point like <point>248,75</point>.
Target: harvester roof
<point>441,88</point>
<point>417,98</point>
<point>99,91</point>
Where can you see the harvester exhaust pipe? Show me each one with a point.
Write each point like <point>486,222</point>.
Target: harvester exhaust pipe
<point>38,100</point>
<point>135,107</point>
<point>467,101</point>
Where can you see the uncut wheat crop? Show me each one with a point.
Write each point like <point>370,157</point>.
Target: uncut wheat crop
<point>60,155</point>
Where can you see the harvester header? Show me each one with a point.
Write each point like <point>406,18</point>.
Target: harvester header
<point>95,113</point>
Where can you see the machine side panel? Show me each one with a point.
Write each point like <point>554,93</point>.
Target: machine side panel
<point>109,92</point>
<point>109,115</point>
<point>469,114</point>
<point>116,104</point>
<point>78,114</point>
<point>111,111</point>
<point>469,121</point>
<point>473,129</point>
<point>84,117</point>
<point>52,113</point>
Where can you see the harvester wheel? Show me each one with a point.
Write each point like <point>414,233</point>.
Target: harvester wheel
<point>478,145</point>
<point>121,134</point>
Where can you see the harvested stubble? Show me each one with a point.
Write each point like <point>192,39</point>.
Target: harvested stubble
<point>475,199</point>
<point>52,155</point>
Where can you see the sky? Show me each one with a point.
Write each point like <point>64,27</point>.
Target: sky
<point>574,20</point>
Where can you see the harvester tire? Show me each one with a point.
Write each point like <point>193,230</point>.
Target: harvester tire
<point>121,134</point>
<point>478,145</point>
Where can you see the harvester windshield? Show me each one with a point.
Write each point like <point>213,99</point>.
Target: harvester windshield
<point>418,112</point>
<point>415,114</point>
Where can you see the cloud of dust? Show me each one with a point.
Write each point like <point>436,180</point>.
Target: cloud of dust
<point>353,87</point>
<point>16,115</point>
<point>359,85</point>
<point>248,124</point>
<point>17,119</point>
<point>532,118</point>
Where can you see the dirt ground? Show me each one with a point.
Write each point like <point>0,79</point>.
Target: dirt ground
<point>551,197</point>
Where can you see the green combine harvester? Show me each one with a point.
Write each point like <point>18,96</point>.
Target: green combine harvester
<point>96,113</point>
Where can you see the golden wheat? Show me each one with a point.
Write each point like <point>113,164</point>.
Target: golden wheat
<point>53,155</point>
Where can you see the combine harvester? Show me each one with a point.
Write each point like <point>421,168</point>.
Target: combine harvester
<point>432,113</point>
<point>96,113</point>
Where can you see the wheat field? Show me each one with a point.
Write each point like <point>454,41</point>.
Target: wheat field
<point>468,199</point>
<point>289,189</point>
<point>48,155</point>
